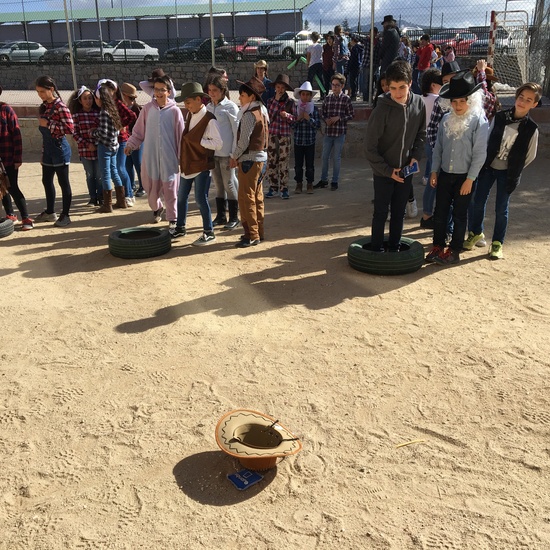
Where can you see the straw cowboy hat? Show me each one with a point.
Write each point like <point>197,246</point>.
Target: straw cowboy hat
<point>261,63</point>
<point>462,84</point>
<point>255,86</point>
<point>256,439</point>
<point>284,80</point>
<point>190,89</point>
<point>305,87</point>
<point>129,90</point>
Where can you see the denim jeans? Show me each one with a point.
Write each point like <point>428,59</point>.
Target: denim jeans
<point>485,181</point>
<point>134,162</point>
<point>121,167</point>
<point>428,198</point>
<point>107,167</point>
<point>93,180</point>
<point>202,185</point>
<point>389,195</point>
<point>330,143</point>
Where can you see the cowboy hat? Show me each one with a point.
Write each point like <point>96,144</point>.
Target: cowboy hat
<point>462,84</point>
<point>329,34</point>
<point>156,73</point>
<point>256,439</point>
<point>190,89</point>
<point>284,80</point>
<point>129,90</point>
<point>389,19</point>
<point>255,86</point>
<point>305,87</point>
<point>489,74</point>
<point>261,63</point>
<point>449,68</point>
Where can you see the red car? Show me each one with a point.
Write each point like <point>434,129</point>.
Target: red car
<point>240,48</point>
<point>459,40</point>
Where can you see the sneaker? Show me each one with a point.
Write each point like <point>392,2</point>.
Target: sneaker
<point>92,202</point>
<point>321,184</point>
<point>177,231</point>
<point>157,215</point>
<point>481,243</point>
<point>130,201</point>
<point>472,240</point>
<point>334,186</point>
<point>448,257</point>
<point>140,193</point>
<point>12,217</point>
<point>424,181</point>
<point>63,221</point>
<point>205,238</point>
<point>412,209</point>
<point>284,194</point>
<point>246,243</point>
<point>427,224</point>
<point>26,224</point>
<point>45,217</point>
<point>271,193</point>
<point>434,253</point>
<point>496,251</point>
<point>298,189</point>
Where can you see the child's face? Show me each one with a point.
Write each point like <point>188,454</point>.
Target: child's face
<point>216,95</point>
<point>87,101</point>
<point>384,85</point>
<point>45,94</point>
<point>305,96</point>
<point>525,102</point>
<point>399,91</point>
<point>460,105</point>
<point>193,104</point>
<point>127,100</point>
<point>336,86</point>
<point>161,93</point>
<point>245,98</point>
<point>260,72</point>
<point>280,89</point>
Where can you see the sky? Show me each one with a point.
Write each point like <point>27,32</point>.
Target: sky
<point>327,13</point>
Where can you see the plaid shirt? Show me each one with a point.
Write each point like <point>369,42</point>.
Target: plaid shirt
<point>127,117</point>
<point>11,147</point>
<point>279,126</point>
<point>366,53</point>
<point>489,99</point>
<point>305,130</point>
<point>84,123</point>
<point>435,119</point>
<point>337,105</point>
<point>60,120</point>
<point>106,133</point>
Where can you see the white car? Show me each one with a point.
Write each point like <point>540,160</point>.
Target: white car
<point>125,50</point>
<point>286,45</point>
<point>21,51</point>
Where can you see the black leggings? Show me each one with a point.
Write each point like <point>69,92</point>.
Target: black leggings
<point>15,193</point>
<point>62,173</point>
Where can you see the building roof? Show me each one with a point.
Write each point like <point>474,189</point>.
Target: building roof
<point>157,11</point>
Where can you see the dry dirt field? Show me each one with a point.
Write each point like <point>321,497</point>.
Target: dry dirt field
<point>115,372</point>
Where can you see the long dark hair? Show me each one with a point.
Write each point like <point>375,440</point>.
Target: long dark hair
<point>108,105</point>
<point>74,103</point>
<point>49,83</point>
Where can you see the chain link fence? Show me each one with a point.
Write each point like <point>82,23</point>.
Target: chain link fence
<point>514,35</point>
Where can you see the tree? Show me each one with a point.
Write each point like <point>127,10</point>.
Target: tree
<point>345,25</point>
<point>306,25</point>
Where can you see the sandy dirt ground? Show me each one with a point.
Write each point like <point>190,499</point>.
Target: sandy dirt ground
<point>115,372</point>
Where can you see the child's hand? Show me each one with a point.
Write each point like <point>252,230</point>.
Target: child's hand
<point>233,163</point>
<point>128,150</point>
<point>466,187</point>
<point>395,175</point>
<point>433,180</point>
<point>43,122</point>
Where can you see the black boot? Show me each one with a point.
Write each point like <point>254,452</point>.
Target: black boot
<point>220,218</point>
<point>233,215</point>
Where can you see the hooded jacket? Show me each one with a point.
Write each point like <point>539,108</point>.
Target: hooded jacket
<point>396,133</point>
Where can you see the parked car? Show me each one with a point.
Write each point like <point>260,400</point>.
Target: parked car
<point>81,49</point>
<point>194,50</point>
<point>504,43</point>
<point>21,51</point>
<point>125,50</point>
<point>286,45</point>
<point>241,48</point>
<point>460,40</point>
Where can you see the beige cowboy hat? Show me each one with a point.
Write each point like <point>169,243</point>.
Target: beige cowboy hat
<point>128,89</point>
<point>256,439</point>
<point>305,87</point>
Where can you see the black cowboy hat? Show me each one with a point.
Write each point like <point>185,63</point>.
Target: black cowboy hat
<point>462,84</point>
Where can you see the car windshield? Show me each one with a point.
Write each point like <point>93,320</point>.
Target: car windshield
<point>194,42</point>
<point>285,36</point>
<point>113,43</point>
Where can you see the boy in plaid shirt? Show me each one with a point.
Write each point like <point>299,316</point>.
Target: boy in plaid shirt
<point>306,123</point>
<point>336,111</point>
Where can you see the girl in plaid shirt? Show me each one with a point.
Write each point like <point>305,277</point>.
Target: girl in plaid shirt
<point>86,117</point>
<point>55,121</point>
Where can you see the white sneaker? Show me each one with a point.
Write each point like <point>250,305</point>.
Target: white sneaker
<point>45,217</point>
<point>157,215</point>
<point>129,201</point>
<point>205,238</point>
<point>481,243</point>
<point>412,209</point>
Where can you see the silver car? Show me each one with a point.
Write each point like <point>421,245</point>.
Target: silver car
<point>22,51</point>
<point>126,50</point>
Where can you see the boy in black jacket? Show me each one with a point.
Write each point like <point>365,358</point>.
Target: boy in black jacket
<point>512,146</point>
<point>396,133</point>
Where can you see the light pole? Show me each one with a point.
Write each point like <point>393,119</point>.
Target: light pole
<point>100,33</point>
<point>70,40</point>
<point>177,26</point>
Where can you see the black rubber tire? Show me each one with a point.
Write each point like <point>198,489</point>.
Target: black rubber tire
<point>6,227</point>
<point>67,58</point>
<point>288,53</point>
<point>408,260</point>
<point>139,242</point>
<point>148,59</point>
<point>108,57</point>
<point>4,59</point>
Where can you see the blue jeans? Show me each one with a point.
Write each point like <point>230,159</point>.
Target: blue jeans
<point>428,198</point>
<point>93,180</point>
<point>202,185</point>
<point>121,167</point>
<point>107,167</point>
<point>328,144</point>
<point>134,162</point>
<point>485,181</point>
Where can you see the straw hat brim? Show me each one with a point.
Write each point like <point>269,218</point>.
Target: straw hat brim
<point>248,434</point>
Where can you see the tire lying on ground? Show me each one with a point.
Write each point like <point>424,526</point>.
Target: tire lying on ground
<point>6,227</point>
<point>409,259</point>
<point>139,242</point>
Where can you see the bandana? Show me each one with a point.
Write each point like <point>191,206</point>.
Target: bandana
<point>81,90</point>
